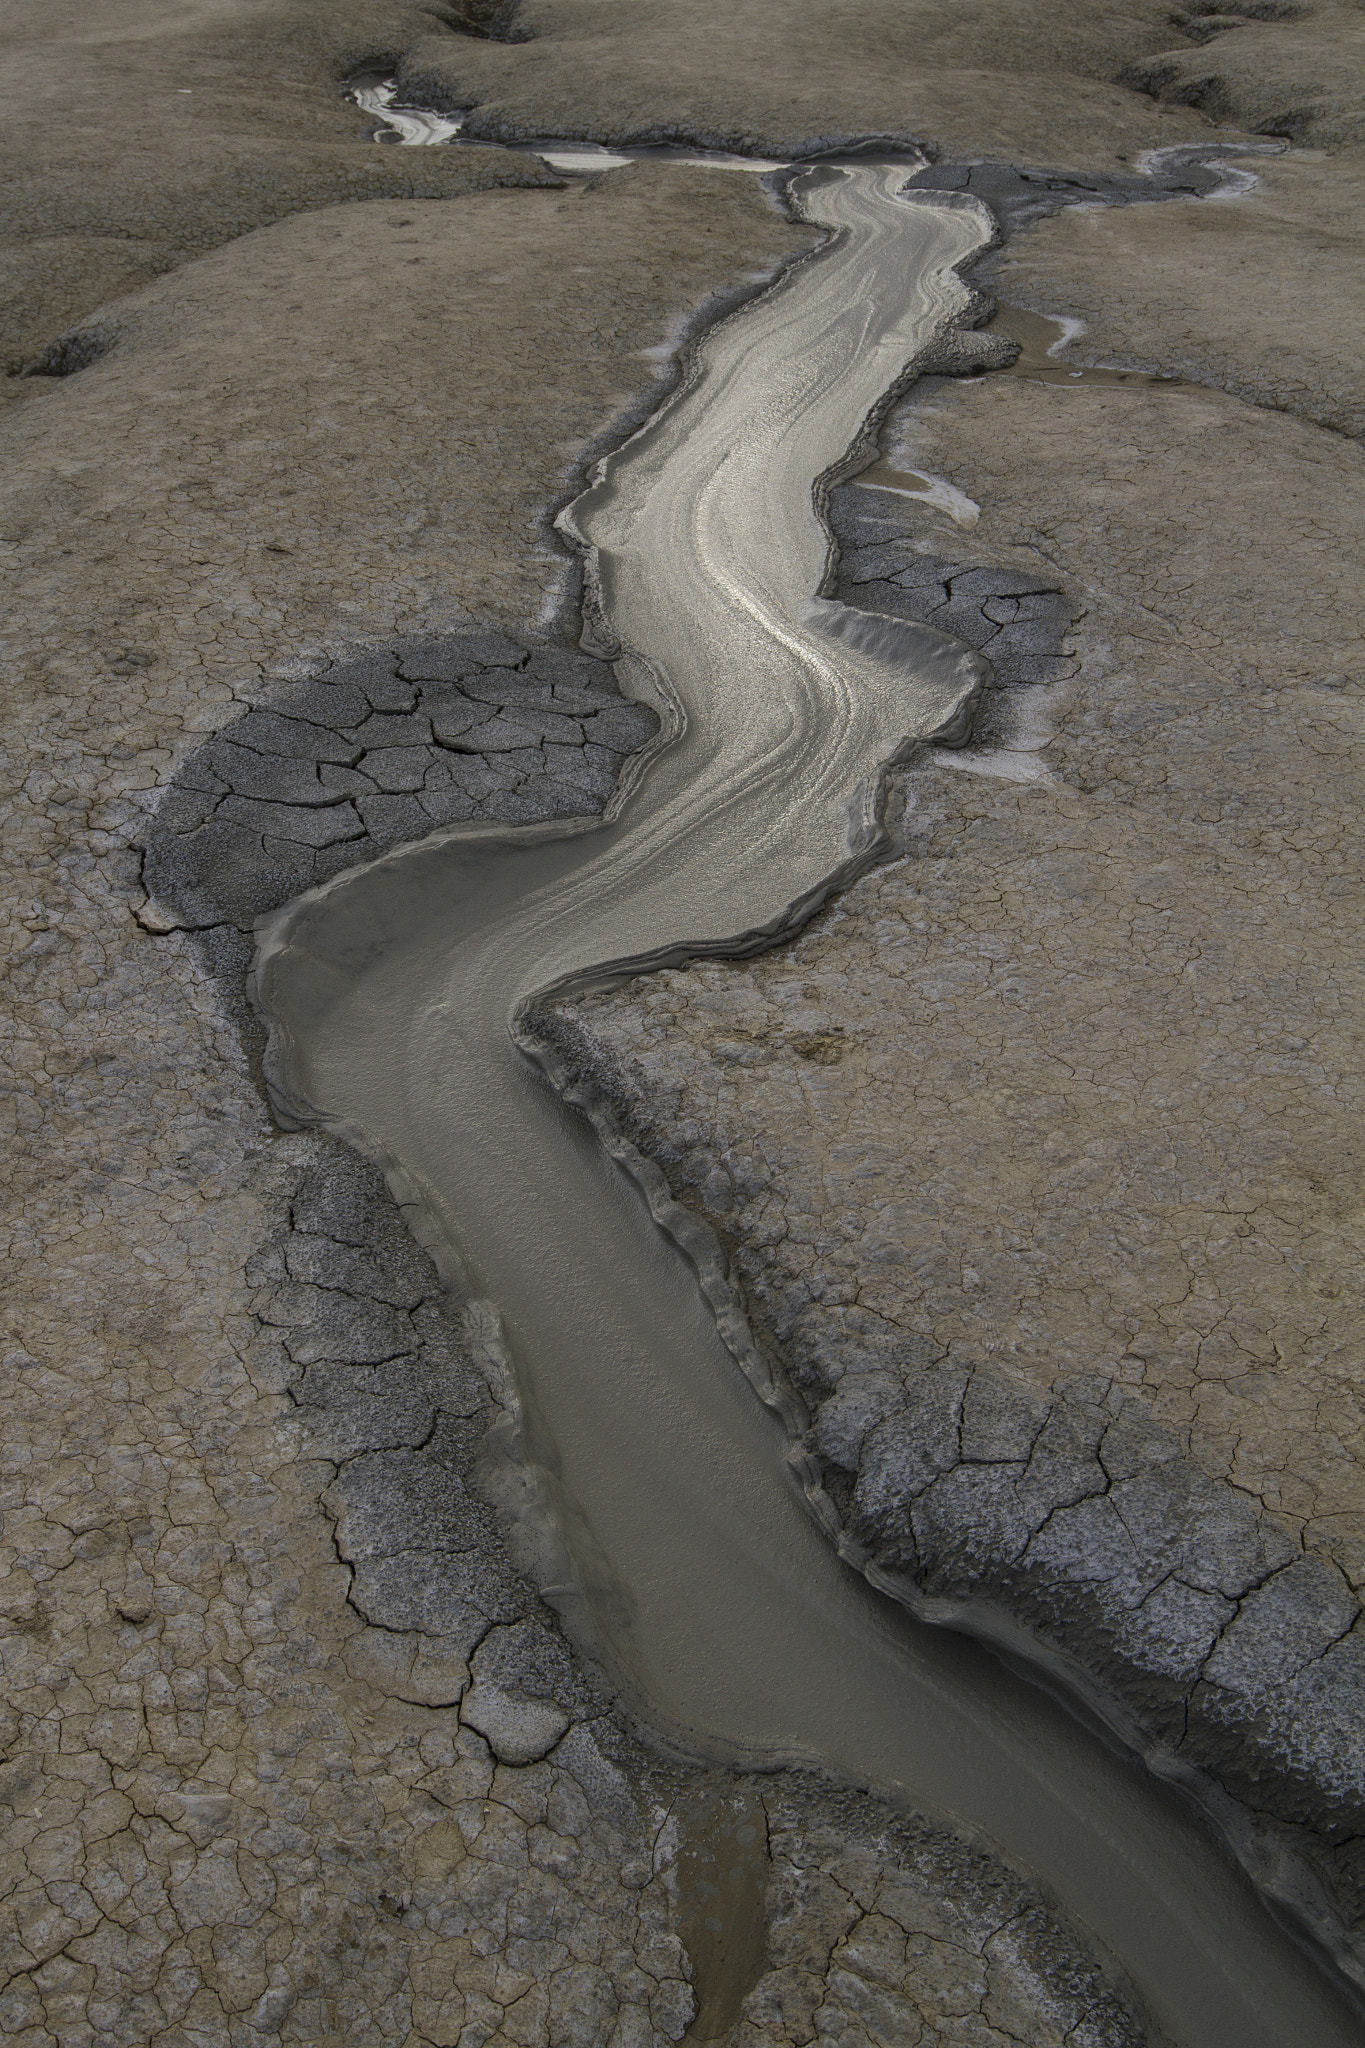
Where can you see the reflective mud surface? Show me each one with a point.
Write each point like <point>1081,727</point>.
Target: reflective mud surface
<point>411,125</point>
<point>721,1873</point>
<point>1040,337</point>
<point>930,490</point>
<point>697,1567</point>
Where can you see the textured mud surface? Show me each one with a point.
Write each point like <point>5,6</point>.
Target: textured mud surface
<point>1258,297</point>
<point>1280,69</point>
<point>973,81</point>
<point>970,80</point>
<point>138,139</point>
<point>896,1933</point>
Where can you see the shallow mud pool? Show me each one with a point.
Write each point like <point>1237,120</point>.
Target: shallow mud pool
<point>694,1558</point>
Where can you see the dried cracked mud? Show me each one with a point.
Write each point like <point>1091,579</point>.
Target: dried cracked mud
<point>1033,1157</point>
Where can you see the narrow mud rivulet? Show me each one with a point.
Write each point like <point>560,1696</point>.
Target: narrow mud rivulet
<point>616,1352</point>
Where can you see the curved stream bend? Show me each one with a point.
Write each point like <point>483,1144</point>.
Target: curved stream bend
<point>390,994</point>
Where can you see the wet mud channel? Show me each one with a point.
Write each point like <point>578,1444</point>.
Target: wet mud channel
<point>401,1004</point>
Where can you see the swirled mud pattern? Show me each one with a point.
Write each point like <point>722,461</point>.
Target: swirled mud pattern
<point>698,1568</point>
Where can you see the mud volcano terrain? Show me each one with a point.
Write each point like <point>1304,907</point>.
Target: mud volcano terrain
<point>984,1236</point>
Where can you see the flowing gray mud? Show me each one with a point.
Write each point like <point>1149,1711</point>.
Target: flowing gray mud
<point>700,1567</point>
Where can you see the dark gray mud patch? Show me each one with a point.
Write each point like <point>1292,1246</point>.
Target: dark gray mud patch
<point>71,352</point>
<point>1018,620</point>
<point>355,1327</point>
<point>1037,335</point>
<point>362,754</point>
<point>1018,198</point>
<point>1080,1516</point>
<point>348,758</point>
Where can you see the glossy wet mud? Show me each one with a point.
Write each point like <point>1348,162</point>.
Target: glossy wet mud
<point>1039,336</point>
<point>417,126</point>
<point>722,1873</point>
<point>698,1570</point>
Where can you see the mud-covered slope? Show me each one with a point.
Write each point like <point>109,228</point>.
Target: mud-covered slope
<point>1037,85</point>
<point>255,1788</point>
<point>1282,67</point>
<point>139,135</point>
<point>1024,83</point>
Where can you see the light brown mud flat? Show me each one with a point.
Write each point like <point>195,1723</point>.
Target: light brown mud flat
<point>1260,295</point>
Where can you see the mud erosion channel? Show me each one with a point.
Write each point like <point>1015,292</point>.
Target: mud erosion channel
<point>697,1562</point>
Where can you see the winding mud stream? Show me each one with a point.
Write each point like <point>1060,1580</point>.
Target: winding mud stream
<point>699,1568</point>
<point>420,126</point>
